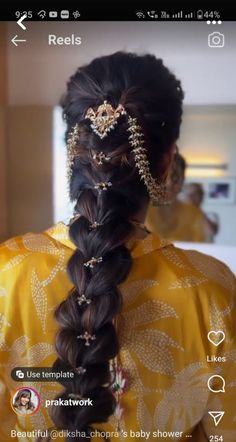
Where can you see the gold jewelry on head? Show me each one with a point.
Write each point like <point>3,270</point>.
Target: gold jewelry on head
<point>101,158</point>
<point>80,370</point>
<point>93,261</point>
<point>103,185</point>
<point>155,190</point>
<point>82,299</point>
<point>87,337</point>
<point>104,119</point>
<point>71,150</point>
<point>94,225</point>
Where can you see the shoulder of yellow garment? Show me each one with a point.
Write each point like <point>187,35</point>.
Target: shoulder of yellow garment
<point>189,209</point>
<point>217,276</point>
<point>21,254</point>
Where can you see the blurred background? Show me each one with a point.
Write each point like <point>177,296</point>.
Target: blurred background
<point>33,188</point>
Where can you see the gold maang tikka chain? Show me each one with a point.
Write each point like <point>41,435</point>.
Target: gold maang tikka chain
<point>103,120</point>
<point>71,150</point>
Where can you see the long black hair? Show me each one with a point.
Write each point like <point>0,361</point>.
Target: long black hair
<point>152,94</point>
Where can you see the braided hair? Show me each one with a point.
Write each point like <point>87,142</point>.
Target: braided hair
<point>151,93</point>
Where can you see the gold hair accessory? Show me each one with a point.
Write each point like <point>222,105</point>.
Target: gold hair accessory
<point>91,262</point>
<point>71,149</point>
<point>87,337</point>
<point>101,158</point>
<point>94,225</point>
<point>155,190</point>
<point>82,298</point>
<point>104,119</point>
<point>103,185</point>
<point>80,370</point>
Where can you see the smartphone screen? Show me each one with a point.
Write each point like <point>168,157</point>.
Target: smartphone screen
<point>117,223</point>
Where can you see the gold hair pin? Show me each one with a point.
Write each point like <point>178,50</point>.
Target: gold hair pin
<point>101,158</point>
<point>104,119</point>
<point>80,370</point>
<point>94,225</point>
<point>103,185</point>
<point>82,298</point>
<point>91,262</point>
<point>87,337</point>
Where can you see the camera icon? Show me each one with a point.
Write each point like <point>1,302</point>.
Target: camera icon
<point>20,374</point>
<point>216,40</point>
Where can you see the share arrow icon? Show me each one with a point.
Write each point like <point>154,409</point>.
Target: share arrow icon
<point>217,416</point>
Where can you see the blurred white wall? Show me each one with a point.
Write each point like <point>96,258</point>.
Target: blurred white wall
<point>208,135</point>
<point>226,254</point>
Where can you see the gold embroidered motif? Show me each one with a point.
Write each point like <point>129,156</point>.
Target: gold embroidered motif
<point>39,297</point>
<point>211,268</point>
<point>3,291</point>
<point>187,281</point>
<point>13,262</point>
<point>11,244</point>
<point>178,403</point>
<point>152,346</point>
<point>39,243</point>
<point>173,256</point>
<point>3,321</point>
<point>131,291</point>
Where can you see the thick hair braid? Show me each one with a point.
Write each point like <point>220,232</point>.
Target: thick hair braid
<point>98,284</point>
<point>152,94</point>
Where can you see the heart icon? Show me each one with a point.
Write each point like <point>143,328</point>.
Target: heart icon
<point>216,337</point>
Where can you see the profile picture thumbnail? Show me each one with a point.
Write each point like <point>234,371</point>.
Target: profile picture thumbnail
<point>26,400</point>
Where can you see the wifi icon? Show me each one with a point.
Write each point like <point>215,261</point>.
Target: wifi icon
<point>140,14</point>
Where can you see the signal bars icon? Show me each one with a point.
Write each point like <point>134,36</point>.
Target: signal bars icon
<point>178,15</point>
<point>190,15</point>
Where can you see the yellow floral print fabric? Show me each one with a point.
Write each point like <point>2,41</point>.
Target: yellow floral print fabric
<point>172,299</point>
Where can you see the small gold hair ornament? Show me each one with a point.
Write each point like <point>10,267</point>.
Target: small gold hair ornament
<point>82,299</point>
<point>80,370</point>
<point>104,119</point>
<point>94,225</point>
<point>93,261</point>
<point>87,337</point>
<point>101,158</point>
<point>103,185</point>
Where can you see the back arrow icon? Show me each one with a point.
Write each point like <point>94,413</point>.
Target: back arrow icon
<point>15,41</point>
<point>19,22</point>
